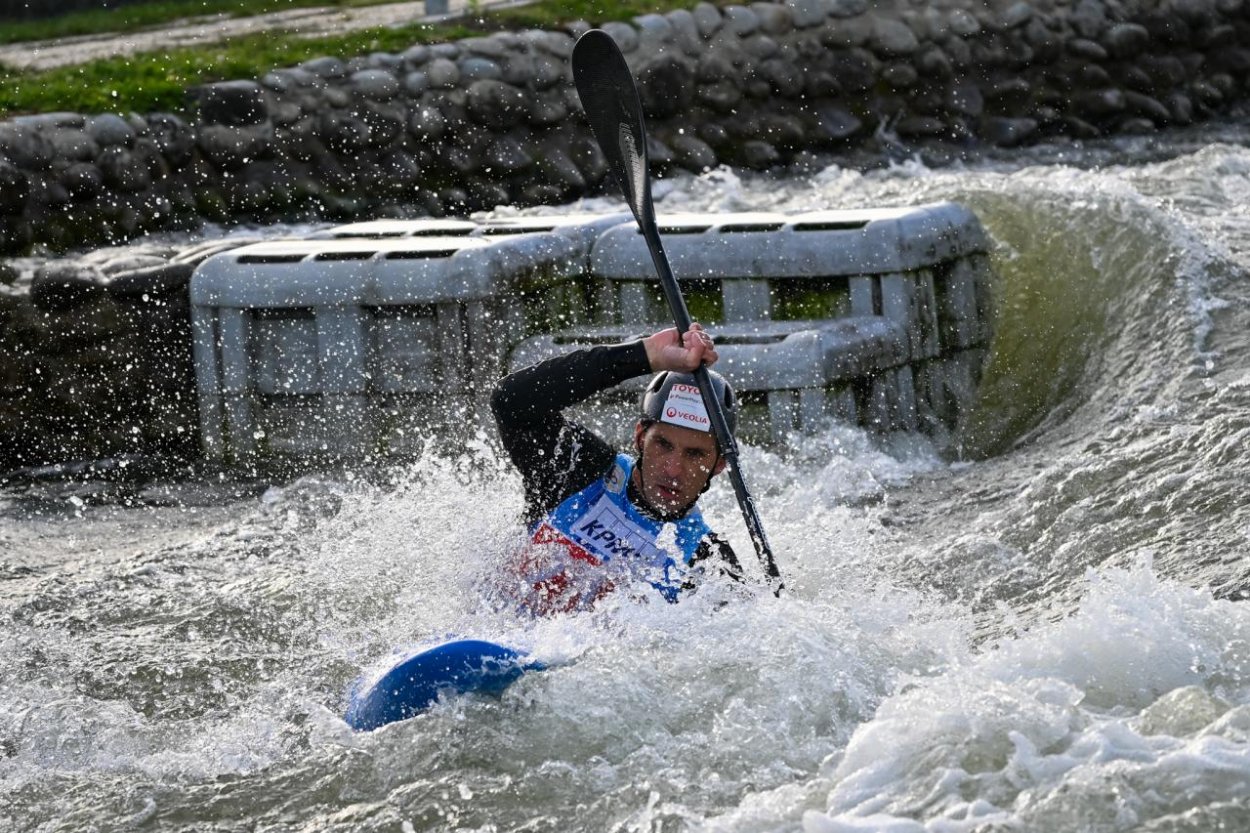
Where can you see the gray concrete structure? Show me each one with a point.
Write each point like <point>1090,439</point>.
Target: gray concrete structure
<point>375,337</point>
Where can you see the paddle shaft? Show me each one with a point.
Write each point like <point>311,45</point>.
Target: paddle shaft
<point>610,98</point>
<point>715,410</point>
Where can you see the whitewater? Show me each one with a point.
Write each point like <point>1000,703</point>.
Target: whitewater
<point>1041,629</point>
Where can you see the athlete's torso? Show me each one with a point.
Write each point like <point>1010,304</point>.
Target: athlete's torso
<point>597,539</point>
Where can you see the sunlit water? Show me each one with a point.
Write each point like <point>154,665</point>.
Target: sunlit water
<point>1044,634</point>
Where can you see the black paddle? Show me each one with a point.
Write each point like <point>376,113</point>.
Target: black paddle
<point>610,99</point>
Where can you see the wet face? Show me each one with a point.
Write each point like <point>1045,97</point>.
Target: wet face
<point>675,464</point>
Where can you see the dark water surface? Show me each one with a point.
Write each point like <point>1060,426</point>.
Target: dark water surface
<point>1045,634</point>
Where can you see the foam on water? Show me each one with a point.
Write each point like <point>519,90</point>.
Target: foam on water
<point>1037,640</point>
<point>1135,708</point>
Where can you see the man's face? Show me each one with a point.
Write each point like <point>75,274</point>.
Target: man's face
<point>676,462</point>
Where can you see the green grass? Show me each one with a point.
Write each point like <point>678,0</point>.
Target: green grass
<point>145,15</point>
<point>157,81</point>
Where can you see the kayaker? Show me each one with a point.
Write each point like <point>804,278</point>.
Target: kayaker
<point>599,520</point>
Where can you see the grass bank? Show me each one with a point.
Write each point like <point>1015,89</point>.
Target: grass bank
<point>132,18</point>
<point>157,81</point>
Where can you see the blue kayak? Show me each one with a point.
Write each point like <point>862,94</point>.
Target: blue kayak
<point>458,667</point>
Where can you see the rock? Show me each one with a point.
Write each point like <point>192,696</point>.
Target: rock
<point>1097,103</point>
<point>519,69</point>
<point>1125,40</point>
<point>821,84</point>
<point>475,68</point>
<point>846,34</point>
<point>232,103</point>
<point>1207,93</point>
<point>1006,132</point>
<point>837,123</point>
<point>14,189</point>
<point>385,121</point>
<point>376,84</point>
<point>1047,46</point>
<point>775,19</point>
<point>560,169</point>
<point>1234,60</point>
<point>626,36</point>
<point>1135,78</point>
<point>123,171</point>
<point>415,56</point>
<point>720,96</point>
<point>15,234</point>
<point>1144,105</point>
<point>1089,18</point>
<point>1087,49</point>
<point>1016,15</point>
<point>546,109</point>
<point>1135,125</point>
<point>708,18</point>
<point>442,73</point>
<point>388,61</point>
<point>415,83</point>
<point>82,181</point>
<point>548,72</point>
<point>782,131</point>
<point>1092,75</point>
<point>845,8</point>
<point>786,79</point>
<point>233,147</point>
<point>400,167</point>
<point>73,145</point>
<point>915,126</point>
<point>855,69</point>
<point>48,192</point>
<point>505,155</point>
<point>1165,71</point>
<point>109,129</point>
<point>900,75</point>
<point>685,31</point>
<point>807,13</point>
<point>664,86</point>
<point>1216,37</point>
<point>758,155</point>
<point>741,20</point>
<point>62,286</point>
<point>328,68</point>
<point>1012,89</point>
<point>760,47</point>
<point>958,51</point>
<point>298,139</point>
<point>933,63</point>
<point>496,105</point>
<point>1181,108</point>
<point>450,51</point>
<point>966,99</point>
<point>891,38</point>
<point>962,23</point>
<point>692,153</point>
<point>26,148</point>
<point>655,33</point>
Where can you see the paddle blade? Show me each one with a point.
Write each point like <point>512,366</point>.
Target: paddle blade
<point>610,98</point>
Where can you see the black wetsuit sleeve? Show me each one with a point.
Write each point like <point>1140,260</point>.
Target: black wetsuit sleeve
<point>557,457</point>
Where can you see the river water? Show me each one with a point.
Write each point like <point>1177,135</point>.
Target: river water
<point>1044,633</point>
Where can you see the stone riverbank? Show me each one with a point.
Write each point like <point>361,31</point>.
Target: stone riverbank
<point>454,127</point>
